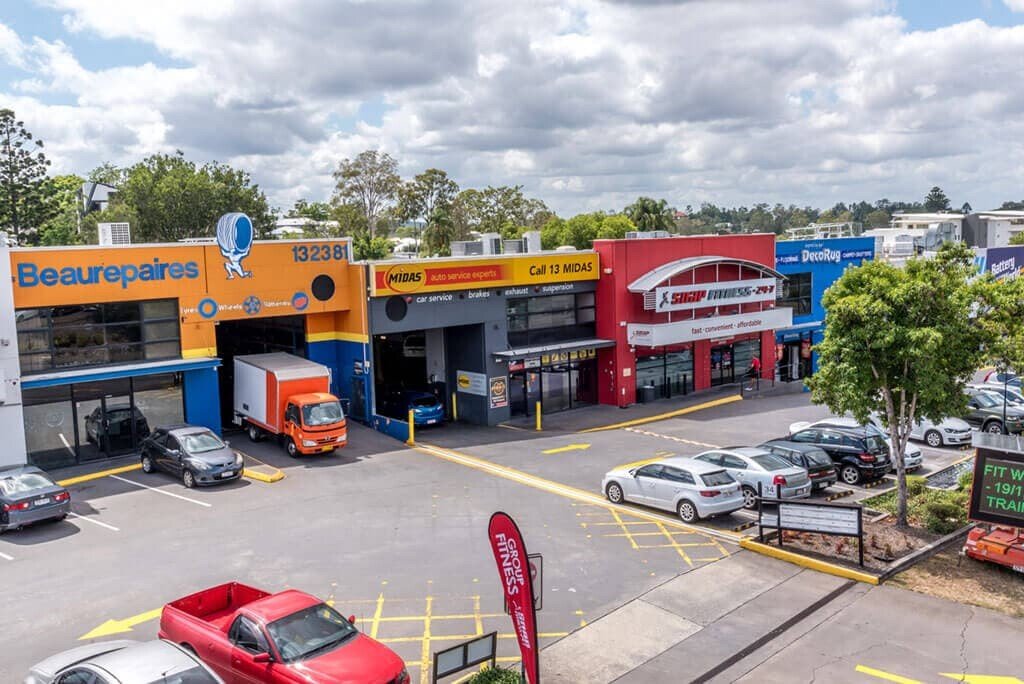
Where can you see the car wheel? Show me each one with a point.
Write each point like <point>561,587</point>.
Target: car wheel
<point>687,512</point>
<point>932,438</point>
<point>254,433</point>
<point>188,479</point>
<point>292,448</point>
<point>995,427</point>
<point>614,493</point>
<point>849,474</point>
<point>59,518</point>
<point>147,464</point>
<point>749,498</point>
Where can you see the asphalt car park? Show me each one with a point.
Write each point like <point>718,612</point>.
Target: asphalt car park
<point>393,535</point>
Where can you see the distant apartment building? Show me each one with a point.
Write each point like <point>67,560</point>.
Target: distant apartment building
<point>993,228</point>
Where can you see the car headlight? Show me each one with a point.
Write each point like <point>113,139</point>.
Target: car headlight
<point>239,459</point>
<point>341,438</point>
<point>308,442</point>
<point>403,677</point>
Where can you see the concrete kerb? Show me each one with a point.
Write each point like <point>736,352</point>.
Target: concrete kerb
<point>266,473</point>
<point>666,415</point>
<point>810,563</point>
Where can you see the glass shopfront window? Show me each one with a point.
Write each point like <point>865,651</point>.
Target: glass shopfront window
<point>796,293</point>
<point>558,387</point>
<point>88,421</point>
<point>552,318</point>
<point>97,334</point>
<point>669,372</point>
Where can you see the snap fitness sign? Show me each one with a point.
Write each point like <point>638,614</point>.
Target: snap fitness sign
<point>702,295</point>
<point>461,274</point>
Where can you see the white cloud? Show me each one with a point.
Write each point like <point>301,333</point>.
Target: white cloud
<point>585,103</point>
<point>1015,5</point>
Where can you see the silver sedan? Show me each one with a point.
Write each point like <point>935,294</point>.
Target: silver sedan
<point>752,466</point>
<point>123,662</point>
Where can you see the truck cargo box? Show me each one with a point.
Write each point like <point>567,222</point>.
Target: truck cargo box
<point>264,381</point>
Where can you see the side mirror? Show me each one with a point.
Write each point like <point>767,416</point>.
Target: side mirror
<point>260,658</point>
<point>632,473</point>
<point>176,453</point>
<point>352,619</point>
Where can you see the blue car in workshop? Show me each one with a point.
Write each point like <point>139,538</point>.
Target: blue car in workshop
<point>426,409</point>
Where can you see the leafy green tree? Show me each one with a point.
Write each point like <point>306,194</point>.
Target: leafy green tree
<point>551,233</point>
<point>1017,239</point>
<point>108,174</point>
<point>428,198</point>
<point>23,168</point>
<point>647,213</point>
<point>170,198</point>
<point>1013,206</point>
<point>901,342</point>
<point>62,199</point>
<point>966,208</point>
<point>877,218</point>
<point>369,182</point>
<point>615,227</point>
<point>366,248</point>
<point>317,211</point>
<point>936,200</point>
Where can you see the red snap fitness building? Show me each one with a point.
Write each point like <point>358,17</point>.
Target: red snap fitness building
<point>686,313</point>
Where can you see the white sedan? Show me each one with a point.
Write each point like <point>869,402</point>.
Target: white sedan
<point>692,489</point>
<point>947,432</point>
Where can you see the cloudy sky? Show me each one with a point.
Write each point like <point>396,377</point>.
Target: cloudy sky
<point>586,103</point>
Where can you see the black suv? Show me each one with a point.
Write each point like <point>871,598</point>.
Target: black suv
<point>859,454</point>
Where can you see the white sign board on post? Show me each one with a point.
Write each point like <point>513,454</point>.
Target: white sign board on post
<point>826,519</point>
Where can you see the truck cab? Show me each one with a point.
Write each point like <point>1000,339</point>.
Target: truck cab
<point>314,423</point>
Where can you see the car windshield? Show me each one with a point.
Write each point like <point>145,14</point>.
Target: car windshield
<point>818,458</point>
<point>424,401</point>
<point>716,478</point>
<point>986,400</point>
<point>201,442</point>
<point>193,675</point>
<point>23,482</point>
<point>771,462</point>
<point>308,632</point>
<point>324,413</point>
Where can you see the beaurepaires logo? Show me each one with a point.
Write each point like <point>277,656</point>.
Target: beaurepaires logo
<point>235,236</point>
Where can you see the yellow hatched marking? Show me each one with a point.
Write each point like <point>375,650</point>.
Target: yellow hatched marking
<point>477,617</point>
<point>625,529</point>
<point>676,545</point>
<point>376,615</point>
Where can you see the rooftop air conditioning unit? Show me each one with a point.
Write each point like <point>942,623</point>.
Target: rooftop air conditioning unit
<point>513,246</point>
<point>531,240</point>
<point>114,234</point>
<point>491,242</point>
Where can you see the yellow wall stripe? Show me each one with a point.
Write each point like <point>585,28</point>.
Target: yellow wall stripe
<point>198,352</point>
<point>336,335</point>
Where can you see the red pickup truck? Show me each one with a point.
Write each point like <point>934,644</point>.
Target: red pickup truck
<point>248,635</point>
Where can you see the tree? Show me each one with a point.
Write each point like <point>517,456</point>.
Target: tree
<point>966,208</point>
<point>171,199</point>
<point>370,182</point>
<point>650,214</point>
<point>366,248</point>
<point>615,227</point>
<point>428,198</point>
<point>61,193</point>
<point>318,211</point>
<point>108,174</point>
<point>936,200</point>
<point>1013,206</point>
<point>878,218</point>
<point>898,342</point>
<point>1017,239</point>
<point>23,166</point>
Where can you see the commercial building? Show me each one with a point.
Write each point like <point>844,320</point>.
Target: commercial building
<point>685,313</point>
<point>113,340</point>
<point>499,331</point>
<point>993,228</point>
<point>810,267</point>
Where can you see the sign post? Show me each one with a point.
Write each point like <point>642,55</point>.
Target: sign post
<point>514,569</point>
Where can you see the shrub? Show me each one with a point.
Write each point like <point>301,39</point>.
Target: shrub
<point>916,485</point>
<point>495,676</point>
<point>965,481</point>
<point>943,517</point>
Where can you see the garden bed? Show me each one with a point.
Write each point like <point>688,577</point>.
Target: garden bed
<point>884,544</point>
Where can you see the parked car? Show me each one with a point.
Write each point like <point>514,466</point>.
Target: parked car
<point>947,432</point>
<point>997,377</point>
<point>985,411</point>
<point>414,347</point>
<point>912,456</point>
<point>811,458</point>
<point>28,495</point>
<point>193,453</point>
<point>425,407</point>
<point>1012,394</point>
<point>123,662</point>
<point>859,453</point>
<point>116,424</point>
<point>753,466</point>
<point>693,489</point>
<point>248,635</point>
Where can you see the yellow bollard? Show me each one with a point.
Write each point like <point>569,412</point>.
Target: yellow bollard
<point>538,416</point>
<point>412,430</point>
<point>455,408</point>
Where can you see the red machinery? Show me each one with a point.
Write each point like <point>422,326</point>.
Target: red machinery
<point>997,544</point>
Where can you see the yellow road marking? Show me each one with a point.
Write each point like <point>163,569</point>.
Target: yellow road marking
<point>425,649</point>
<point>478,622</point>
<point>674,439</point>
<point>120,626</point>
<point>637,464</point>
<point>674,544</point>
<point>563,490</point>
<point>983,679</point>
<point>887,676</point>
<point>568,447</point>
<point>97,475</point>
<point>625,530</point>
<point>376,615</point>
<point>669,414</point>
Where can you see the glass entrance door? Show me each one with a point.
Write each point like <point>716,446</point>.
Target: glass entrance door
<point>722,370</point>
<point>107,419</point>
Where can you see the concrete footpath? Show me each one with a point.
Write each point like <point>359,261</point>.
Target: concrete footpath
<point>755,619</point>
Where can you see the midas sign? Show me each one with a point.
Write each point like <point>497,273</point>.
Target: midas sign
<point>461,274</point>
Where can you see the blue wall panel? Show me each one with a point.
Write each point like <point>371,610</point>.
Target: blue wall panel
<point>202,398</point>
<point>343,358</point>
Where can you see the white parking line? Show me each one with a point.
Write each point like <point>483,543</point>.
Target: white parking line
<point>94,522</point>
<point>5,556</point>
<point>160,491</point>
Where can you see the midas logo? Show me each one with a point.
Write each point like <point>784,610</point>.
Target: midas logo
<point>463,381</point>
<point>401,278</point>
